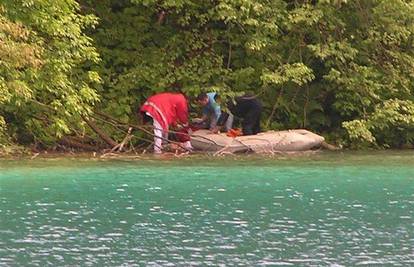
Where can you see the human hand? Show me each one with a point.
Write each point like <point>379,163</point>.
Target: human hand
<point>214,130</point>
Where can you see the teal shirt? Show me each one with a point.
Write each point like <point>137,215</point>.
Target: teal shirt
<point>212,109</point>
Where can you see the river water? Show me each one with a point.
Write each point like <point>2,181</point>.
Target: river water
<point>329,209</point>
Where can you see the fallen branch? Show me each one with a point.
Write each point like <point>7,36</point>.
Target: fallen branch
<point>329,146</point>
<point>109,154</point>
<point>35,155</point>
<point>120,146</point>
<point>99,132</point>
<point>142,128</point>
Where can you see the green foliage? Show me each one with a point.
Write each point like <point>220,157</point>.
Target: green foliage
<point>392,123</point>
<point>3,135</point>
<point>44,73</point>
<point>341,68</point>
<point>297,73</point>
<point>359,131</point>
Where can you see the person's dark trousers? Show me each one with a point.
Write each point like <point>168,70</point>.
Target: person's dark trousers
<point>251,122</point>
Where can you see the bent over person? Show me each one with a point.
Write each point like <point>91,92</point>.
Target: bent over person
<point>249,110</point>
<point>212,112</point>
<point>165,110</point>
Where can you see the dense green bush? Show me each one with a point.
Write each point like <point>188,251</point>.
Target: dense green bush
<point>342,68</point>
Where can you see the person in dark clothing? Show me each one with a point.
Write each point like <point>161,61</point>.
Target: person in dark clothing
<point>249,110</point>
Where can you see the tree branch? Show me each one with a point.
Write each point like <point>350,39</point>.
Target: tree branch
<point>99,132</point>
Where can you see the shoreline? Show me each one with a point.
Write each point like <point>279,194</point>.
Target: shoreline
<point>146,155</point>
<point>45,155</point>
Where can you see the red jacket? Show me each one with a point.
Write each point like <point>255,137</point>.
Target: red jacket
<point>167,109</point>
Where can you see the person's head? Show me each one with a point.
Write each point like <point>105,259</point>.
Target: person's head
<point>202,99</point>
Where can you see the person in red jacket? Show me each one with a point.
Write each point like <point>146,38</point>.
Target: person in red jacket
<point>165,110</point>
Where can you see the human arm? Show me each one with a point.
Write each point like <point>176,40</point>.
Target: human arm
<point>202,119</point>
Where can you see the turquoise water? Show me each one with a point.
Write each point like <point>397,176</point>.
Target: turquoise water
<point>318,210</point>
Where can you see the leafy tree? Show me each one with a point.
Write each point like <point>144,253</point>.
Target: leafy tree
<point>45,69</point>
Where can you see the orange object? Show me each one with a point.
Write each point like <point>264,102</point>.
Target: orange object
<point>234,132</point>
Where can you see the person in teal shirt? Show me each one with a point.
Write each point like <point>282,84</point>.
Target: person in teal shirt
<point>211,110</point>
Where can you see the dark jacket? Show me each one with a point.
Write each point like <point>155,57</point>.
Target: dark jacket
<point>244,105</point>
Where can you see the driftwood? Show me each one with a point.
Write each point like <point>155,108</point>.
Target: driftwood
<point>35,155</point>
<point>99,132</point>
<point>121,145</point>
<point>141,128</point>
<point>329,146</point>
